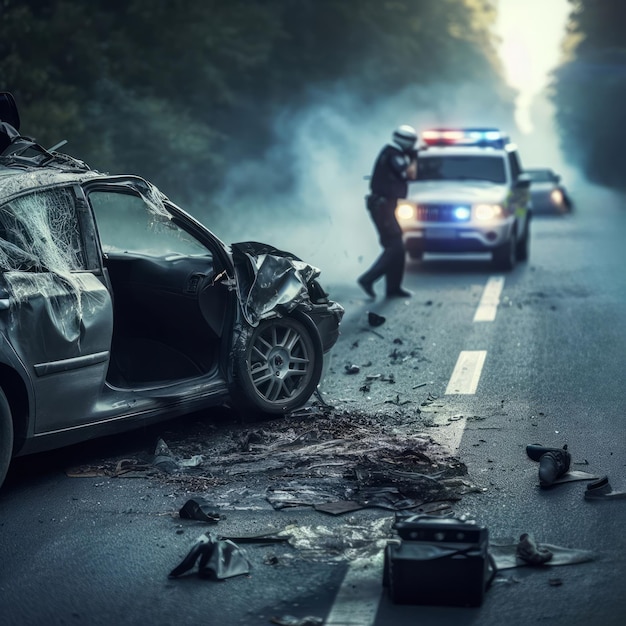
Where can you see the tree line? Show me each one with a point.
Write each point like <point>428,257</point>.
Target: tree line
<point>177,90</point>
<point>589,91</point>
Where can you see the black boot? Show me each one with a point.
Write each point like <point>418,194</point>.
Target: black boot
<point>553,465</point>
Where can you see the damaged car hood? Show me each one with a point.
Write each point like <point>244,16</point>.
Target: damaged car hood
<point>269,280</point>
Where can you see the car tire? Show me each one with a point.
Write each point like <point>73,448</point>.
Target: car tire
<point>278,365</point>
<point>505,255</point>
<point>6,436</point>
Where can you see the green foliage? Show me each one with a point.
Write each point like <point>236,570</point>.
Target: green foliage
<point>589,91</point>
<point>176,90</point>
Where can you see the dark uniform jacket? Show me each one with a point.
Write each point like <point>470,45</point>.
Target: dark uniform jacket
<point>389,176</point>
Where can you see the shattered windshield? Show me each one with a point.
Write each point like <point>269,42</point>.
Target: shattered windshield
<point>489,168</point>
<point>130,223</point>
<point>40,232</point>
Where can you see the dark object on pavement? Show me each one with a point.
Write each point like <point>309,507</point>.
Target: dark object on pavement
<point>553,462</point>
<point>530,552</point>
<point>199,509</point>
<point>535,451</point>
<point>438,561</point>
<point>219,559</point>
<point>601,490</point>
<point>352,369</point>
<point>553,465</point>
<point>164,459</point>
<point>375,320</point>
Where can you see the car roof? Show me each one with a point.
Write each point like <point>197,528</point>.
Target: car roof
<point>17,180</point>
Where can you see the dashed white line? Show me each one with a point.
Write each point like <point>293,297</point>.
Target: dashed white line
<point>466,374</point>
<point>488,305</point>
<point>358,597</point>
<point>357,600</point>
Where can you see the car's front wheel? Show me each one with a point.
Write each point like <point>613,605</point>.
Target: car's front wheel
<point>6,436</point>
<point>278,364</point>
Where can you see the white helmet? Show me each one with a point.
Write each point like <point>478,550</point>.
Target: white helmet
<point>405,136</point>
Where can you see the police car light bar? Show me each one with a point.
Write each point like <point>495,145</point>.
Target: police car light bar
<point>465,137</point>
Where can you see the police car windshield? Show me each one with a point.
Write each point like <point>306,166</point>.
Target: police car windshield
<point>489,168</point>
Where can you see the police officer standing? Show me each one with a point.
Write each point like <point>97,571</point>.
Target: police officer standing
<point>395,165</point>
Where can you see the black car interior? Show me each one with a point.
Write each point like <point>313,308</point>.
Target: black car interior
<point>169,318</point>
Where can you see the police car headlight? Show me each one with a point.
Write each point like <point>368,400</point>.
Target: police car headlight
<point>406,211</point>
<point>556,195</point>
<point>487,211</point>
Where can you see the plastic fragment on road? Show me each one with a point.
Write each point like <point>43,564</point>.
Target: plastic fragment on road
<point>601,490</point>
<point>218,559</point>
<point>375,320</point>
<point>199,509</point>
<point>164,459</point>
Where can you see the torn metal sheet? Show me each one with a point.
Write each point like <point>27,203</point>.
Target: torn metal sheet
<point>199,509</point>
<point>269,279</point>
<point>218,559</point>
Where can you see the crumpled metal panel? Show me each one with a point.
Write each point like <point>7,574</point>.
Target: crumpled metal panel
<point>269,280</point>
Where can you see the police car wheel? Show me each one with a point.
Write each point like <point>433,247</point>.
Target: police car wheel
<point>523,245</point>
<point>505,255</point>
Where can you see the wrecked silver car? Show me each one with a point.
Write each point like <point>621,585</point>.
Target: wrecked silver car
<point>118,308</point>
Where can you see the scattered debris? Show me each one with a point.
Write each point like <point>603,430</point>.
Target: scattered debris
<point>601,490</point>
<point>199,509</point>
<point>505,555</point>
<point>352,369</point>
<point>528,550</point>
<point>375,320</point>
<point>219,559</point>
<point>554,465</point>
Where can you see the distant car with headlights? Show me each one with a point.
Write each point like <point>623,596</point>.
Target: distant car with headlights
<point>119,309</point>
<point>471,195</point>
<point>547,194</point>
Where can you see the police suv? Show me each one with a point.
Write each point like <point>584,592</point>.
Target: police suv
<point>470,195</point>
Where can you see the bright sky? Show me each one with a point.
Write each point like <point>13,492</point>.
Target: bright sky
<point>531,32</point>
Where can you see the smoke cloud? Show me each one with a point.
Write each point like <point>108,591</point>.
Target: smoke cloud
<point>307,195</point>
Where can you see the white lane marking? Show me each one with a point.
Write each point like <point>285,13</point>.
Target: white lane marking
<point>358,597</point>
<point>488,305</point>
<point>466,374</point>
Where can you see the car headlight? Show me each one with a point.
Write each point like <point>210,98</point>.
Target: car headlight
<point>556,195</point>
<point>487,211</point>
<point>406,211</point>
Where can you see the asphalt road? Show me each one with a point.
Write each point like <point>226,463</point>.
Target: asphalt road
<point>97,550</point>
